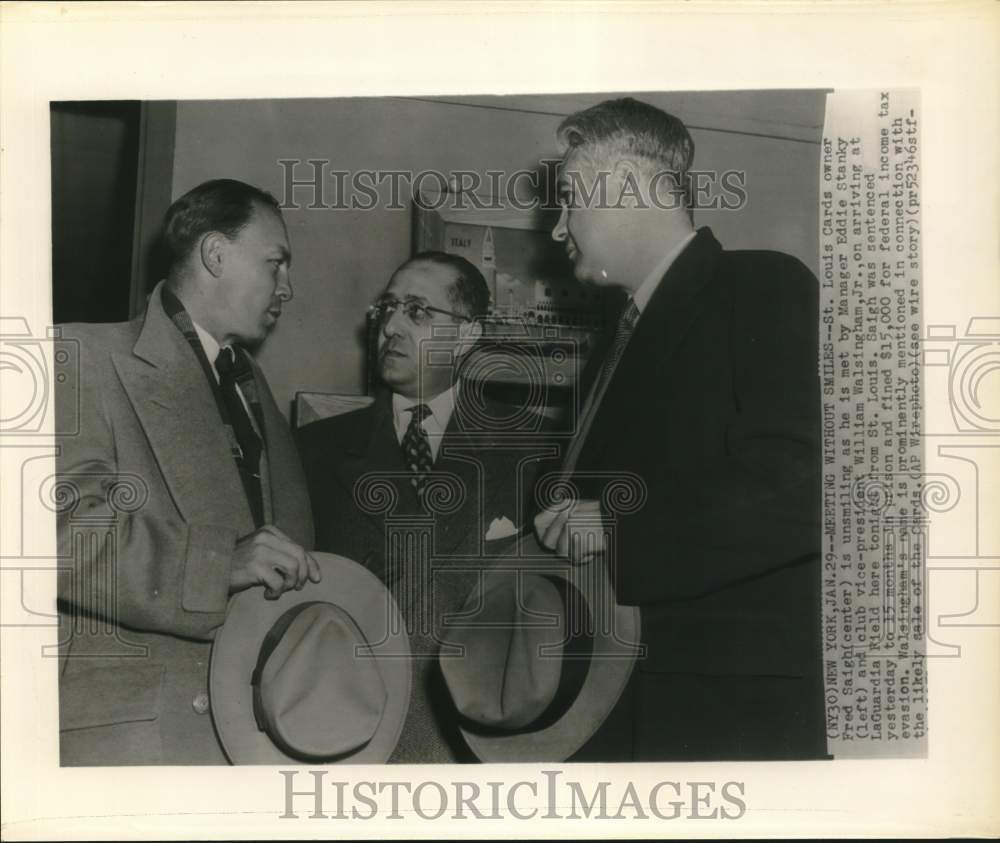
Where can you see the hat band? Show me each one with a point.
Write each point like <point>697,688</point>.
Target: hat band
<point>267,647</point>
<point>576,656</point>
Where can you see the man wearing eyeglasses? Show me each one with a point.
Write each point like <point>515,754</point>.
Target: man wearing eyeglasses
<point>416,311</point>
<point>446,457</point>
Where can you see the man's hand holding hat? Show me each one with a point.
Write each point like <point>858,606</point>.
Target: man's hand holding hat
<point>574,529</point>
<point>270,558</point>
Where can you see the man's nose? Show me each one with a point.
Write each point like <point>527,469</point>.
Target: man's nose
<point>559,232</point>
<point>391,322</point>
<point>284,288</point>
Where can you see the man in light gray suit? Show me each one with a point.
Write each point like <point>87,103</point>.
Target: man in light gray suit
<point>183,455</point>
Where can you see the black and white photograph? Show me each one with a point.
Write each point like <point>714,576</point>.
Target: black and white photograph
<point>436,442</point>
<point>555,412</point>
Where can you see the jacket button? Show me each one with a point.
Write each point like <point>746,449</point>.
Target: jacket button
<point>200,703</point>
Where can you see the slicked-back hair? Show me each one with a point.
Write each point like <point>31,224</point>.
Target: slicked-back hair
<point>469,294</point>
<point>223,205</point>
<point>628,128</point>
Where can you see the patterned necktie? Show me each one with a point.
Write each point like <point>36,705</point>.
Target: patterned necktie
<point>623,333</point>
<point>231,367</point>
<point>416,447</point>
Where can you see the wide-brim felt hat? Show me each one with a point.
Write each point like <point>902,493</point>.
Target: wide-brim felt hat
<point>321,675</point>
<point>546,653</point>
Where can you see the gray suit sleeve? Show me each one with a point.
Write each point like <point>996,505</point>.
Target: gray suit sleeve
<point>122,557</point>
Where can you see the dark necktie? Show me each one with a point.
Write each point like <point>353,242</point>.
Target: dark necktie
<point>623,333</point>
<point>232,367</point>
<point>416,448</point>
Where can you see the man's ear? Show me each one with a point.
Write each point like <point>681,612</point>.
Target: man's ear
<point>212,252</point>
<point>626,190</point>
<point>468,333</point>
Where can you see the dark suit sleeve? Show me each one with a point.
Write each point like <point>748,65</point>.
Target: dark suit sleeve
<point>292,509</point>
<point>132,564</point>
<point>315,443</point>
<point>763,494</point>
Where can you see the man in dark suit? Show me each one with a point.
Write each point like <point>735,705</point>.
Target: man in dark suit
<point>709,395</point>
<point>429,482</point>
<point>182,486</point>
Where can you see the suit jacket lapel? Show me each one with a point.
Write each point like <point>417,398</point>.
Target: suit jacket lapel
<point>372,447</point>
<point>463,458</point>
<point>490,466</point>
<point>680,296</point>
<point>176,408</point>
<point>286,500</point>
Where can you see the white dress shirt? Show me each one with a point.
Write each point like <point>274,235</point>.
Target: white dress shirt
<point>645,291</point>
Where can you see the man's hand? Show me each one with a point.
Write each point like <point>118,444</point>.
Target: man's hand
<point>574,529</point>
<point>269,558</point>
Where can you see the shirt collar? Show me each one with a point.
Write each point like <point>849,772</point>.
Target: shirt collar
<point>441,407</point>
<point>208,343</point>
<point>642,295</point>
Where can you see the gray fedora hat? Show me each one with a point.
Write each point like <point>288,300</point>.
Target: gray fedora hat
<point>320,675</point>
<point>545,654</point>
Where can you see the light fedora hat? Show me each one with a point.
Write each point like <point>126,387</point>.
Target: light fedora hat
<point>320,675</point>
<point>544,654</point>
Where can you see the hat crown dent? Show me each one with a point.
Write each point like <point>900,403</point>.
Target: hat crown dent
<point>504,679</point>
<point>322,696</point>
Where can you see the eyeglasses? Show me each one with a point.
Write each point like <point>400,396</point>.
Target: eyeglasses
<point>416,311</point>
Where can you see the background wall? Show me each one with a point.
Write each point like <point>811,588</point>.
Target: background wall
<point>94,149</point>
<point>343,258</point>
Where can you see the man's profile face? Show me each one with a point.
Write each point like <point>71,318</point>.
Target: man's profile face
<point>404,361</point>
<point>255,279</point>
<point>591,234</point>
